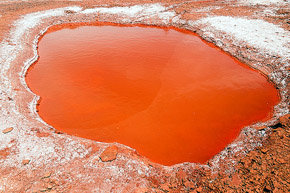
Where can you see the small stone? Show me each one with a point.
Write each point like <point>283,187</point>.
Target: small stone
<point>283,11</point>
<point>280,132</point>
<point>69,12</point>
<point>4,153</point>
<point>40,134</point>
<point>46,175</point>
<point>54,182</point>
<point>199,189</point>
<point>58,132</point>
<point>267,188</point>
<point>109,154</point>
<point>43,190</point>
<point>260,128</point>
<point>49,186</point>
<point>281,161</point>
<point>25,161</point>
<point>7,130</point>
<point>264,150</point>
<point>165,187</point>
<point>264,167</point>
<point>285,120</point>
<point>236,180</point>
<point>188,184</point>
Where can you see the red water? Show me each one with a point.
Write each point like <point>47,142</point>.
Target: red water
<point>165,93</point>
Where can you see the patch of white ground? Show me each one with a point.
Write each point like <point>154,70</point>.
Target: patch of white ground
<point>136,12</point>
<point>267,37</point>
<point>19,1</point>
<point>262,2</point>
<point>204,9</point>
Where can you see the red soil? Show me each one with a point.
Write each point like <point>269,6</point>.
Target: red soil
<point>165,93</point>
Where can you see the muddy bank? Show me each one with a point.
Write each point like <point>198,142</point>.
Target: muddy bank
<point>36,157</point>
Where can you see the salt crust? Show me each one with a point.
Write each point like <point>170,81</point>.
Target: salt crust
<point>205,9</point>
<point>147,10</point>
<point>261,2</point>
<point>12,1</point>
<point>42,150</point>
<point>45,150</point>
<point>269,38</point>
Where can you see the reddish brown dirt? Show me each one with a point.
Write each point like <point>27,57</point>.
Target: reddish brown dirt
<point>263,169</point>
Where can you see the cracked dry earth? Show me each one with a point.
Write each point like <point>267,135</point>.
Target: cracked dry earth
<point>34,157</point>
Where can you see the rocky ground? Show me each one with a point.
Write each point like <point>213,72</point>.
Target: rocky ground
<point>34,157</point>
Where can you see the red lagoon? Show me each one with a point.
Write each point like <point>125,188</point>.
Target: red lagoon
<point>162,91</point>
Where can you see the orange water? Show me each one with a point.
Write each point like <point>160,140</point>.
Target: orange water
<point>165,93</point>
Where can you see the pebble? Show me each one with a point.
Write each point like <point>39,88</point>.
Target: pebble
<point>7,130</point>
<point>49,186</point>
<point>264,150</point>
<point>43,190</point>
<point>25,161</point>
<point>109,154</point>
<point>46,175</point>
<point>260,128</point>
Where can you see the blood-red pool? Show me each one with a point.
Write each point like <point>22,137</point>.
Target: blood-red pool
<point>162,91</point>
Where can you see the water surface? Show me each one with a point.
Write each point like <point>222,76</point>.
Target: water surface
<point>165,93</point>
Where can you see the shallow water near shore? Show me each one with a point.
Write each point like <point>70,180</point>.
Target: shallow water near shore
<point>162,91</point>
